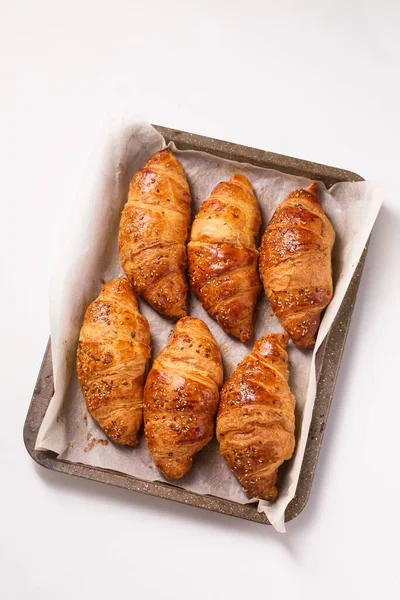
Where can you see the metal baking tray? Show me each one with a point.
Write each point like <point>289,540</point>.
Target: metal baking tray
<point>328,358</point>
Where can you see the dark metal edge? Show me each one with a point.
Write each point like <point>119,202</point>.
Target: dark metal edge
<point>258,157</point>
<point>329,358</point>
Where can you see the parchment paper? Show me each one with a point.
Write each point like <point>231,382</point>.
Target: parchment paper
<point>90,257</point>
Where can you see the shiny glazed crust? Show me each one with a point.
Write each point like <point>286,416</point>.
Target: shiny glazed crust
<point>113,349</point>
<point>222,256</point>
<point>153,233</point>
<point>255,423</point>
<point>181,397</point>
<point>295,264</point>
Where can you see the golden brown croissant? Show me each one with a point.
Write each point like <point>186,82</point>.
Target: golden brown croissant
<point>222,255</point>
<point>295,264</point>
<point>114,345</point>
<point>255,423</point>
<point>153,233</point>
<point>181,397</point>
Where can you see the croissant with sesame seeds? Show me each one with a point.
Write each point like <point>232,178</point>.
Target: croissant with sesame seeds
<point>113,349</point>
<point>222,255</point>
<point>153,233</point>
<point>255,422</point>
<point>181,397</point>
<point>295,264</point>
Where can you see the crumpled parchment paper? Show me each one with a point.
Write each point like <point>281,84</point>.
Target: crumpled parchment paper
<point>89,257</point>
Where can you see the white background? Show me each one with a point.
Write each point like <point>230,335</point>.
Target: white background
<point>315,79</point>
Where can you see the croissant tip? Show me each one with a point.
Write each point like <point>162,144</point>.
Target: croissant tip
<point>269,494</point>
<point>169,310</point>
<point>132,440</point>
<point>188,320</point>
<point>245,336</point>
<point>185,319</point>
<point>134,443</point>
<point>283,338</point>
<point>271,340</point>
<point>313,189</point>
<point>173,469</point>
<point>306,345</point>
<point>159,155</point>
<point>242,179</point>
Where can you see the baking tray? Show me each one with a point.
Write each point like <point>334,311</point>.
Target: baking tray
<point>328,358</point>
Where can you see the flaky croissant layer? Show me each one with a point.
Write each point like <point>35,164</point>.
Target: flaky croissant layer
<point>255,423</point>
<point>153,232</point>
<point>295,264</point>
<point>223,257</point>
<point>181,397</point>
<point>113,349</point>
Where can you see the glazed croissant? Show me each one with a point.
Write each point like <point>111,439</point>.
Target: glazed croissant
<point>113,348</point>
<point>255,423</point>
<point>295,264</point>
<point>181,397</point>
<point>222,255</point>
<point>153,233</point>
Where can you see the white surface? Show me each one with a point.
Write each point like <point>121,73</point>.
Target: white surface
<point>322,85</point>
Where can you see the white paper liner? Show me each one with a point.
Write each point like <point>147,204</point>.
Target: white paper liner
<point>90,257</point>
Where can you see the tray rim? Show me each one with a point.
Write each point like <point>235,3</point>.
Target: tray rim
<point>332,347</point>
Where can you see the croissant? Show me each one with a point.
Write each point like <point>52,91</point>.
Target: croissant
<point>153,233</point>
<point>255,423</point>
<point>113,348</point>
<point>295,264</point>
<point>181,397</point>
<point>222,256</point>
